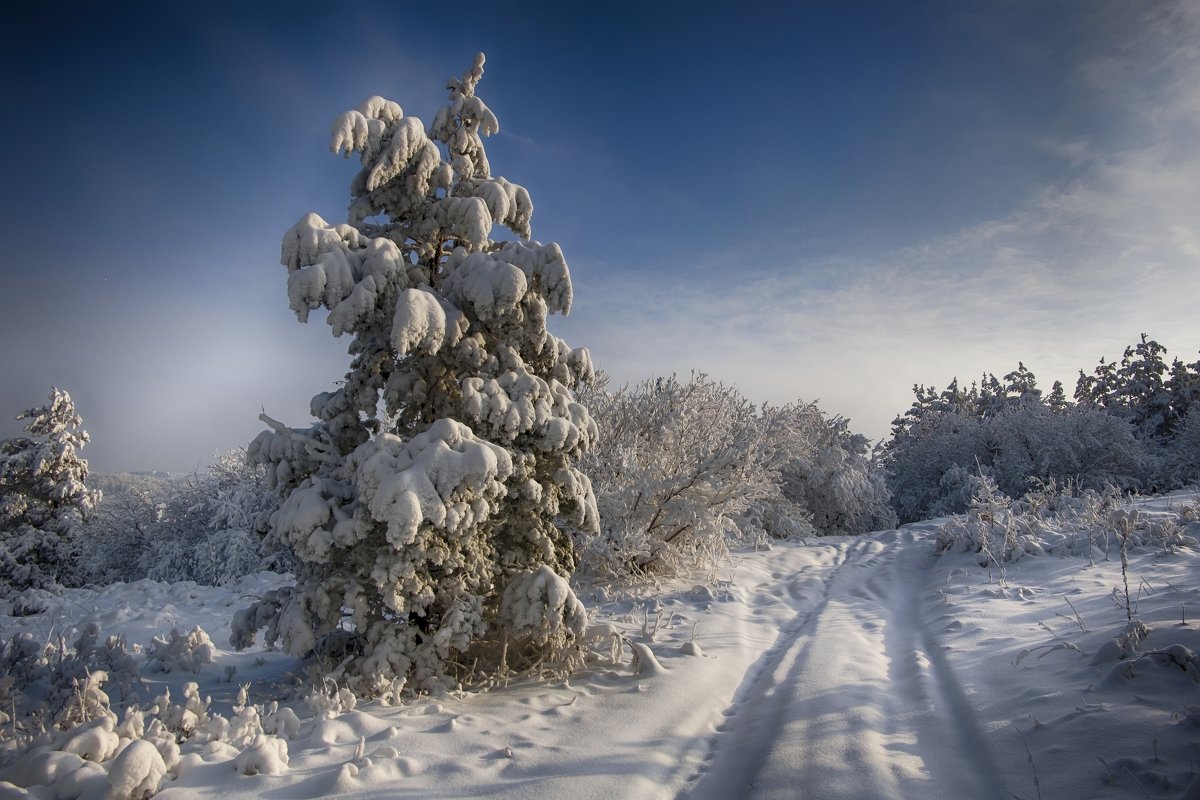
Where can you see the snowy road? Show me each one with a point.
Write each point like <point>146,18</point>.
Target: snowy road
<point>856,698</point>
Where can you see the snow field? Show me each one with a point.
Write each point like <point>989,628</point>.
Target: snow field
<point>842,667</point>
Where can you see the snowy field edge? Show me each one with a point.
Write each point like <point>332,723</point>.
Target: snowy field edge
<point>844,665</point>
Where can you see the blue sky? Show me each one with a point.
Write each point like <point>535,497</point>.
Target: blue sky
<point>819,200</point>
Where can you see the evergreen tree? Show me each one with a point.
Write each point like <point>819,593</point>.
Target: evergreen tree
<point>1096,390</point>
<point>953,398</point>
<point>1140,393</point>
<point>434,499</point>
<point>1057,399</point>
<point>1085,390</point>
<point>43,495</point>
<point>991,396</point>
<point>1140,389</point>
<point>1020,387</point>
<point>1183,385</point>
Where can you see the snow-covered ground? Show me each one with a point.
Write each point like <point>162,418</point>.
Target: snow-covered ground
<point>844,667</point>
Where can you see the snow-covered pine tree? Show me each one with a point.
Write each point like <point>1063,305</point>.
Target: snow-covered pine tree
<point>1183,384</point>
<point>991,398</point>
<point>1096,390</point>
<point>1020,387</point>
<point>1141,395</point>
<point>1057,399</point>
<point>42,495</point>
<point>434,498</point>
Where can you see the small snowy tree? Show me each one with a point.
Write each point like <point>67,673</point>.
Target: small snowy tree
<point>1057,399</point>
<point>42,495</point>
<point>1141,395</point>
<point>442,468</point>
<point>1020,387</point>
<point>1184,387</point>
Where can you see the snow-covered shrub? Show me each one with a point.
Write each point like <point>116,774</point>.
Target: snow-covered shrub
<point>1184,452</point>
<point>89,702</point>
<point>96,740</point>
<point>202,527</point>
<point>53,685</point>
<point>115,540</point>
<point>182,719</point>
<point>266,755</point>
<point>679,462</point>
<point>988,528</point>
<point>164,741</point>
<point>208,530</point>
<point>828,473</point>
<point>26,672</point>
<point>684,467</point>
<point>930,462</point>
<point>43,496</point>
<point>180,652</point>
<point>328,700</point>
<point>442,466</point>
<point>136,772</point>
<point>74,673</point>
<point>282,722</point>
<point>8,706</point>
<point>1057,520</point>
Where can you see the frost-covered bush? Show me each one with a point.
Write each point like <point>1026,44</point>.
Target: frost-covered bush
<point>684,467</point>
<point>931,462</point>
<point>208,531</point>
<point>180,652</point>
<point>115,540</point>
<point>829,474</point>
<point>679,462</point>
<point>86,742</point>
<point>442,467</point>
<point>1127,429</point>
<point>1059,521</point>
<point>51,684</point>
<point>266,755</point>
<point>202,527</point>
<point>43,496</point>
<point>1184,454</point>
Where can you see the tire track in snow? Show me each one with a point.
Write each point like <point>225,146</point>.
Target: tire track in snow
<point>753,716</point>
<point>930,716</point>
<point>855,699</point>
